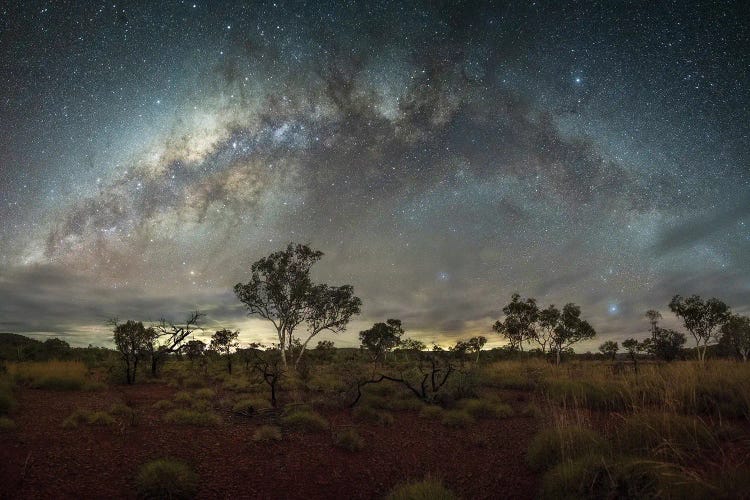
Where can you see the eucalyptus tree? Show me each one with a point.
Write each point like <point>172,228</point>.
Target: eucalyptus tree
<point>519,323</point>
<point>702,319</point>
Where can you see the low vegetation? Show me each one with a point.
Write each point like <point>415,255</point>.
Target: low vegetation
<point>427,489</point>
<point>166,478</point>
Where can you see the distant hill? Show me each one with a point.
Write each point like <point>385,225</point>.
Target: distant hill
<point>12,343</point>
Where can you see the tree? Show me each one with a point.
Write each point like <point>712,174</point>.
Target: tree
<point>570,329</point>
<point>735,334</point>
<point>653,318</point>
<point>411,346</point>
<point>193,349</point>
<point>665,344</point>
<point>475,344</point>
<point>701,319</point>
<point>382,338</point>
<point>223,341</point>
<point>132,340</point>
<point>545,331</point>
<point>520,317</point>
<point>280,290</point>
<point>609,349</point>
<point>633,347</point>
<point>168,339</point>
<point>329,308</point>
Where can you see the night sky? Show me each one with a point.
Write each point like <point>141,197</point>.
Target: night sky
<point>443,155</point>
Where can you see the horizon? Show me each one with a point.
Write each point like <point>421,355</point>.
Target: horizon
<point>442,157</point>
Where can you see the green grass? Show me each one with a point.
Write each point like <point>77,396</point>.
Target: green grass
<point>432,412</point>
<point>551,446</point>
<point>305,420</point>
<point>267,433</point>
<point>250,405</point>
<point>183,397</point>
<point>183,416</point>
<point>93,418</point>
<point>427,489</point>
<point>349,439</point>
<point>163,404</point>
<point>166,478</point>
<point>205,393</point>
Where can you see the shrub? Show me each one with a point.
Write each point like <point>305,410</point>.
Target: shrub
<point>594,476</point>
<point>183,416</point>
<point>551,446</point>
<point>480,408</point>
<point>166,479</point>
<point>250,405</point>
<point>432,412</point>
<point>305,420</point>
<point>183,397</point>
<point>100,418</point>
<point>428,489</point>
<point>75,419</point>
<point>205,393</point>
<point>457,419</point>
<point>349,439</point>
<point>267,433</point>
<point>163,404</point>
<point>6,424</point>
<point>122,410</point>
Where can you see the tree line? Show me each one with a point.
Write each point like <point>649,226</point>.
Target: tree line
<point>281,291</point>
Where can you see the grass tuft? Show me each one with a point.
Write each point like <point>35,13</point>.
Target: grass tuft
<point>305,420</point>
<point>458,419</point>
<point>349,439</point>
<point>552,446</point>
<point>166,478</point>
<point>267,433</point>
<point>427,489</point>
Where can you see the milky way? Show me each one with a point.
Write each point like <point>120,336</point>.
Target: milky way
<point>443,155</point>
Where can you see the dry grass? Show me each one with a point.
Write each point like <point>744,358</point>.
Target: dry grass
<point>54,375</point>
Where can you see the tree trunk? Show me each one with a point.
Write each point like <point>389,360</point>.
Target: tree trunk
<point>557,353</point>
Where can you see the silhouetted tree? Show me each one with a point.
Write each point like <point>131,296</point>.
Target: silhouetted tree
<point>280,290</point>
<point>701,319</point>
<point>520,318</point>
<point>168,339</point>
<point>735,334</point>
<point>546,324</point>
<point>193,349</point>
<point>411,346</point>
<point>223,341</point>
<point>633,347</point>
<point>325,350</point>
<point>570,329</point>
<point>329,308</point>
<point>132,340</point>
<point>665,344</point>
<point>382,338</point>
<point>609,349</point>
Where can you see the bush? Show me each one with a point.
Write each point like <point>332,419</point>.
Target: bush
<point>267,433</point>
<point>183,416</point>
<point>552,446</point>
<point>6,424</point>
<point>7,402</point>
<point>163,404</point>
<point>205,393</point>
<point>166,479</point>
<point>457,419</point>
<point>75,419</point>
<point>100,418</point>
<point>594,476</point>
<point>428,489</point>
<point>480,408</point>
<point>305,420</point>
<point>122,410</point>
<point>349,439</point>
<point>250,405</point>
<point>433,412</point>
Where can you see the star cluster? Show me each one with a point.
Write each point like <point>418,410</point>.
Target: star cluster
<point>442,154</point>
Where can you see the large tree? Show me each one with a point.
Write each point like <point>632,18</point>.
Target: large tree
<point>169,337</point>
<point>735,334</point>
<point>281,291</point>
<point>132,340</point>
<point>609,349</point>
<point>223,341</point>
<point>570,329</point>
<point>520,319</point>
<point>382,338</point>
<point>701,318</point>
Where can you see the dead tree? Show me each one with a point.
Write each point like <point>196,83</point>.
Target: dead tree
<point>169,338</point>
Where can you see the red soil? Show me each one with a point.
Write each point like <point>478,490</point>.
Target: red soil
<point>40,459</point>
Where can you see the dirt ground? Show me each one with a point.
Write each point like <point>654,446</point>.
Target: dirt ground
<point>40,459</point>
